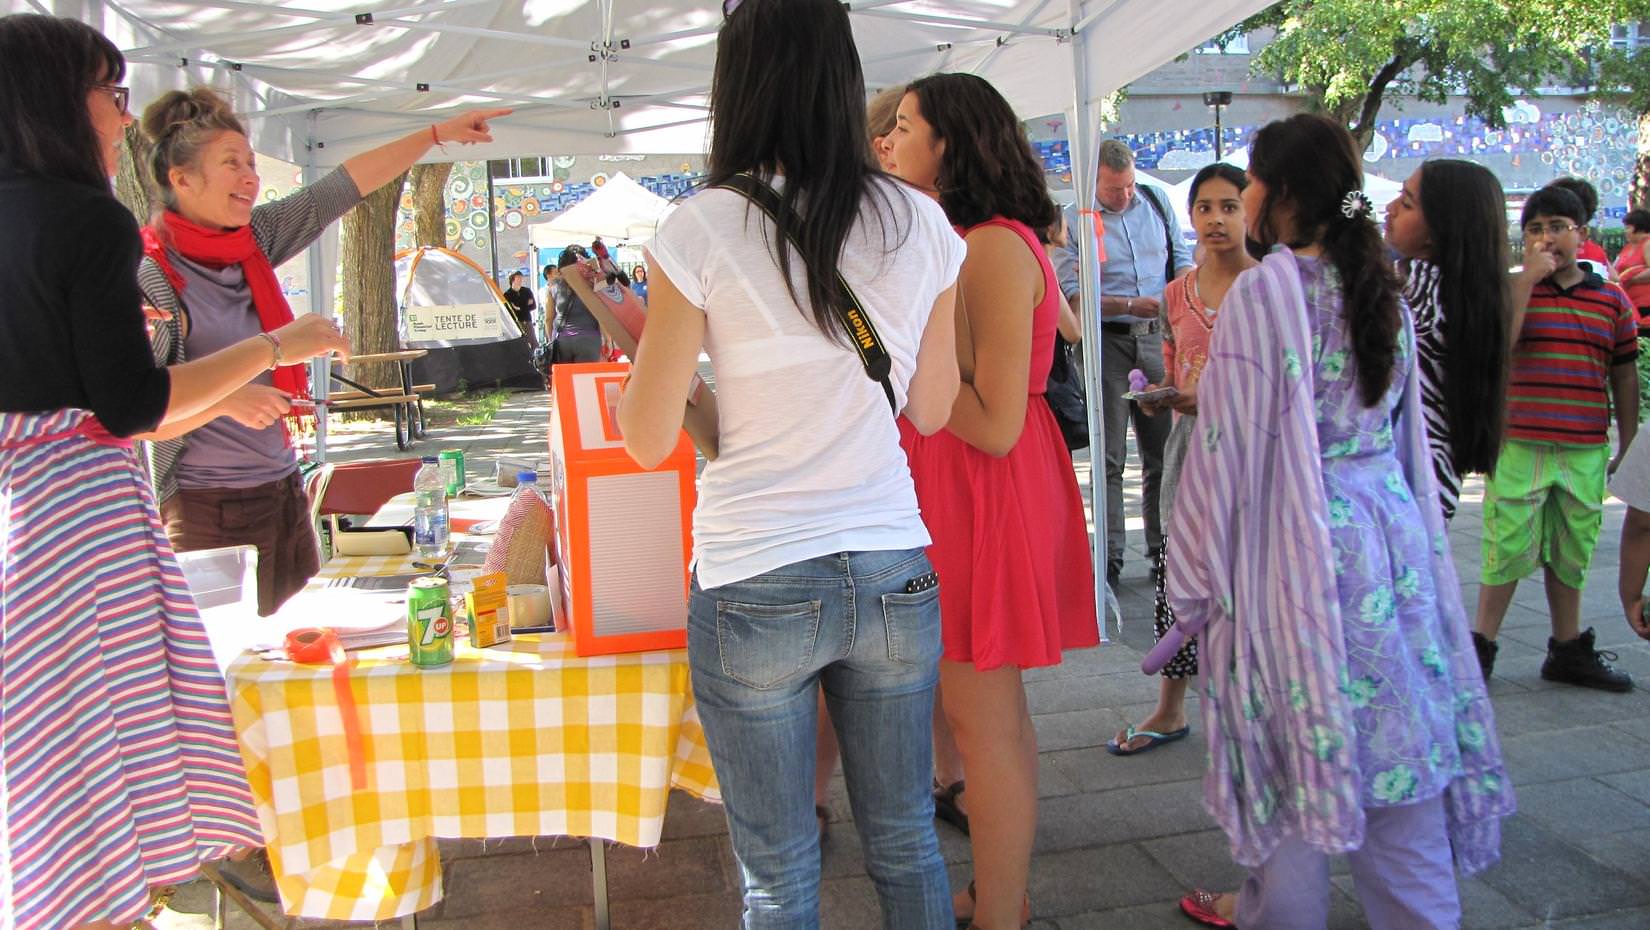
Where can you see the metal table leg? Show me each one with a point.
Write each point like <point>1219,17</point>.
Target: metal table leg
<point>415,410</point>
<point>246,904</point>
<point>598,881</point>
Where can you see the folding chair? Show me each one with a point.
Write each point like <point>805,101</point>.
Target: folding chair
<point>357,488</point>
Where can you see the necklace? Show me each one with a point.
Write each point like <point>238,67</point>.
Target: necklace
<point>1200,310</point>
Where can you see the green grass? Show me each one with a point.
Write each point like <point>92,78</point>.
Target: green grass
<point>474,408</point>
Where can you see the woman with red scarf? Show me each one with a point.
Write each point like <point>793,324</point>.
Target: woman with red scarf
<point>230,476</point>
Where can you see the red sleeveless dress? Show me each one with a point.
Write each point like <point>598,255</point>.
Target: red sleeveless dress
<point>1010,543</point>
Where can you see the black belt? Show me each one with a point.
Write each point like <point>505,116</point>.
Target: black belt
<point>1142,328</point>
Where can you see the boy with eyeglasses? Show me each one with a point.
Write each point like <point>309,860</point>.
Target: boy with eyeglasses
<point>1544,504</point>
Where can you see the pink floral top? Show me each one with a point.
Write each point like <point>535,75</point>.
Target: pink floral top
<point>1187,324</point>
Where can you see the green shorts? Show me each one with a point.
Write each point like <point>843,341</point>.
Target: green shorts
<point>1543,506</point>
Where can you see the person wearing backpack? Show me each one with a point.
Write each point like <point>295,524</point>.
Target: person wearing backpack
<point>1140,252</point>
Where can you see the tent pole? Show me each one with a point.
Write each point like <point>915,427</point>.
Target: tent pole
<point>320,368</point>
<point>1082,140</point>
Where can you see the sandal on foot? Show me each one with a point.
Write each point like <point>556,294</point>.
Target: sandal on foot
<point>1200,906</point>
<point>945,805</point>
<point>967,923</point>
<point>1154,740</point>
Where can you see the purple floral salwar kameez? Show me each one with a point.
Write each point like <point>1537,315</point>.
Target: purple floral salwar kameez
<point>1337,662</point>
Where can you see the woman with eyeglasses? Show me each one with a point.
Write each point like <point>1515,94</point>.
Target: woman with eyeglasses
<point>809,572</point>
<point>119,769</point>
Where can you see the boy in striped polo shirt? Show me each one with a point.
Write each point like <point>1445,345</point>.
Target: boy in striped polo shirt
<point>1545,502</point>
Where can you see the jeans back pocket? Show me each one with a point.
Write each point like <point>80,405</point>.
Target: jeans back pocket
<point>913,626</point>
<point>764,645</point>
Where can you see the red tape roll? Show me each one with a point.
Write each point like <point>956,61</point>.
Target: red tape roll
<point>318,645</point>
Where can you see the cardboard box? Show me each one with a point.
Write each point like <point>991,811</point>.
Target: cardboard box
<point>624,534</point>
<point>486,606</point>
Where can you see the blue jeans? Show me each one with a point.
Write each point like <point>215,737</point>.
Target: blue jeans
<point>758,648</point>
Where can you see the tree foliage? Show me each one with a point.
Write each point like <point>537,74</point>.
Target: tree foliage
<point>1348,55</point>
<point>1623,76</point>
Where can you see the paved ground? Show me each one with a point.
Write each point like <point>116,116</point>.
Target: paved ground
<point>1119,840</point>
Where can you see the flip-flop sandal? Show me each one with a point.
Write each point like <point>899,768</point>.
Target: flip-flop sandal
<point>1154,740</point>
<point>945,805</point>
<point>1200,906</point>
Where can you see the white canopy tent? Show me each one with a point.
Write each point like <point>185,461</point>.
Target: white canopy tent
<point>621,209</point>
<point>331,78</point>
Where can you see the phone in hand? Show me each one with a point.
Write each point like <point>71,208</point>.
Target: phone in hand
<point>1154,395</point>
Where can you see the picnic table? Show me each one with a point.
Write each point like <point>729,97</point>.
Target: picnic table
<point>406,399</point>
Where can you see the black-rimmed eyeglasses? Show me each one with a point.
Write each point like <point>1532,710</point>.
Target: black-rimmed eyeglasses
<point>122,95</point>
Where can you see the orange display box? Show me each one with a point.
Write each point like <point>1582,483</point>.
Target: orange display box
<point>624,534</point>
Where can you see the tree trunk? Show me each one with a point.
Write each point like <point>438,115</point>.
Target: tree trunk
<point>429,192</point>
<point>1639,197</point>
<point>367,254</point>
<point>132,180</point>
<point>1369,107</point>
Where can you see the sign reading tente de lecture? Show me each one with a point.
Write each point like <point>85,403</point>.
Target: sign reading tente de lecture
<point>440,324</point>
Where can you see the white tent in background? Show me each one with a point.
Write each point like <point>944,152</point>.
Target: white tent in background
<point>621,209</point>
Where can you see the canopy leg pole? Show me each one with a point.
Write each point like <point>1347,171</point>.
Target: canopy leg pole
<point>320,369</point>
<point>1083,143</point>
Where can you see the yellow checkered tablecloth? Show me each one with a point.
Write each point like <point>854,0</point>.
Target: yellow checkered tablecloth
<point>521,739</point>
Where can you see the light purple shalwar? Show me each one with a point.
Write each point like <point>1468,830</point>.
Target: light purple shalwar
<point>1337,662</point>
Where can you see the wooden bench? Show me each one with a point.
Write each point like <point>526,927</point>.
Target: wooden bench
<point>423,390</point>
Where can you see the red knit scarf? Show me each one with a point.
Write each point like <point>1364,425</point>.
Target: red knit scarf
<point>216,248</point>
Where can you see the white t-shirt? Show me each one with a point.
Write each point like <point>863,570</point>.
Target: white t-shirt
<point>809,462</point>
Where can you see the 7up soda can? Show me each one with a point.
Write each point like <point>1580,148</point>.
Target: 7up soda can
<point>429,623</point>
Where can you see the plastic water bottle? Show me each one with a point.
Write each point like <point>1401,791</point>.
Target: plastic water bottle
<point>527,482</point>
<point>430,527</point>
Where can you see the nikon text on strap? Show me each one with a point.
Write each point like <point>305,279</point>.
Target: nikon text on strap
<point>861,331</point>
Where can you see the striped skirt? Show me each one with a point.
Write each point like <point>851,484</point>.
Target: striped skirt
<point>119,768</point>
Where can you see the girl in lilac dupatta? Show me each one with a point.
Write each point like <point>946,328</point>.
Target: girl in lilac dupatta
<point>1342,702</point>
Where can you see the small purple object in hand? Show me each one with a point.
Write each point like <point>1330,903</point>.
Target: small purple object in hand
<point>1137,380</point>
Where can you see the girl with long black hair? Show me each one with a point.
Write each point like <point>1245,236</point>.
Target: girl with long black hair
<point>809,572</point>
<point>1449,225</point>
<point>1342,700</point>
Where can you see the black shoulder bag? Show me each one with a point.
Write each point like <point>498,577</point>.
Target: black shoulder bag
<point>854,319</point>
<point>1065,396</point>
